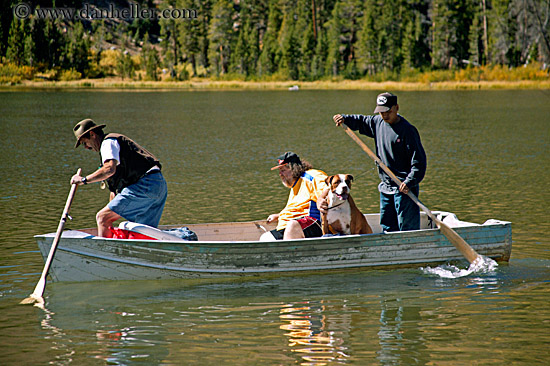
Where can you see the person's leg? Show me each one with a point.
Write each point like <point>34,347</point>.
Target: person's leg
<point>157,193</point>
<point>311,227</point>
<point>293,230</point>
<point>105,218</point>
<point>388,214</point>
<point>275,234</point>
<point>408,212</point>
<point>143,201</point>
<point>268,236</point>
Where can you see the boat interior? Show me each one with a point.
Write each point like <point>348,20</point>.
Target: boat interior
<point>253,230</point>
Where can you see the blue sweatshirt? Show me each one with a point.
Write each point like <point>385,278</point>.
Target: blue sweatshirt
<point>397,145</point>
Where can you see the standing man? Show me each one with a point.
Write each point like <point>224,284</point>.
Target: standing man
<point>398,146</point>
<point>138,189</point>
<point>300,218</point>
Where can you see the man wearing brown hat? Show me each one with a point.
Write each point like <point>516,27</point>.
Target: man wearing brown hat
<point>399,147</point>
<point>138,189</point>
<point>300,218</point>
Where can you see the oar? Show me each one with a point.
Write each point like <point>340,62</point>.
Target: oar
<point>36,296</point>
<point>467,251</point>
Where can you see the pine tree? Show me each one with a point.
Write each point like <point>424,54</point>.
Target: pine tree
<point>476,48</point>
<point>501,30</point>
<point>55,43</point>
<point>2,38</point>
<point>307,46</point>
<point>169,35</point>
<point>220,36</point>
<point>270,52</point>
<point>75,55</point>
<point>342,35</point>
<point>205,17</point>
<point>290,48</point>
<point>450,30</point>
<point>307,38</point>
<point>30,48</point>
<point>150,60</point>
<point>414,39</point>
<point>16,42</point>
<point>441,33</point>
<point>253,41</point>
<point>367,49</point>
<point>125,65</point>
<point>242,58</point>
<point>257,11</point>
<point>318,62</point>
<point>189,34</point>
<point>420,53</point>
<point>407,47</point>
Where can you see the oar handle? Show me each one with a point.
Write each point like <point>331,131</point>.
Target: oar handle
<point>372,155</point>
<point>61,225</point>
<point>36,296</point>
<point>467,251</point>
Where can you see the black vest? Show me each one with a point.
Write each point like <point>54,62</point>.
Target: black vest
<point>135,161</point>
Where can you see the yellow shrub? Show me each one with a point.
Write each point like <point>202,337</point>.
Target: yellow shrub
<point>13,74</point>
<point>108,61</point>
<point>68,75</point>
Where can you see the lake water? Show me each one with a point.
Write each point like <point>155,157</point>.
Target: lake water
<point>488,157</point>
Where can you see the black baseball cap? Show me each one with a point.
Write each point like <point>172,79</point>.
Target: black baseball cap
<point>384,102</point>
<point>288,157</point>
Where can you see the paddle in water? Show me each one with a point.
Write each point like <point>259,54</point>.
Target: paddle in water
<point>476,261</point>
<point>36,296</point>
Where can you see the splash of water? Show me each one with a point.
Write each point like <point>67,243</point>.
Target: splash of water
<point>481,264</point>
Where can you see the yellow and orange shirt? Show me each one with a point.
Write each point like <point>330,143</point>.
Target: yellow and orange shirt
<point>303,197</point>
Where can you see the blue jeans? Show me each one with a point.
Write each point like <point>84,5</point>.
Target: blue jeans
<point>143,201</point>
<point>398,212</point>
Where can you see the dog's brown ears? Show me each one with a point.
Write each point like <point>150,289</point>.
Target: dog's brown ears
<point>328,180</point>
<point>349,179</point>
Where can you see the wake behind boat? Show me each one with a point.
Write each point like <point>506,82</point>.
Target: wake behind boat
<point>233,249</point>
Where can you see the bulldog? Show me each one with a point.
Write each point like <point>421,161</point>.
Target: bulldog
<point>342,216</point>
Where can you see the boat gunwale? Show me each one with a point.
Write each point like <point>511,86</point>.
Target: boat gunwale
<point>410,233</point>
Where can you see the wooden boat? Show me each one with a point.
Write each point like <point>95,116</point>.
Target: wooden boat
<point>234,249</point>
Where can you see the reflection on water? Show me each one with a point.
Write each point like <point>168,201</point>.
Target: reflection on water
<point>314,335</point>
<point>374,317</point>
<point>56,336</point>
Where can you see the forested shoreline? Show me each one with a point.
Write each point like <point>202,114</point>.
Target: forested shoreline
<point>284,40</point>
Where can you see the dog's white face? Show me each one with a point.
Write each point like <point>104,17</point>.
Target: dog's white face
<point>340,185</point>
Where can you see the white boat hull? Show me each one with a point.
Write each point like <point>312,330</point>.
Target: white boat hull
<point>81,256</point>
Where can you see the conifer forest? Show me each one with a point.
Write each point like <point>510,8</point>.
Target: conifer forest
<point>275,39</point>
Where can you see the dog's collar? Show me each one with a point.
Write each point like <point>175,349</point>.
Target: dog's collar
<point>340,204</point>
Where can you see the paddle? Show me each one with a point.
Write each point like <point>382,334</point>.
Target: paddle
<point>467,251</point>
<point>36,296</point>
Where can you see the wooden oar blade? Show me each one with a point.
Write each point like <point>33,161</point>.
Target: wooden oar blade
<point>36,296</point>
<point>32,299</point>
<point>467,251</point>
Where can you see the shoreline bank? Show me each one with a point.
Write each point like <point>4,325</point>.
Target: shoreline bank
<point>206,84</point>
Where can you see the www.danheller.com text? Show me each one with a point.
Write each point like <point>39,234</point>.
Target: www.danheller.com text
<point>88,11</point>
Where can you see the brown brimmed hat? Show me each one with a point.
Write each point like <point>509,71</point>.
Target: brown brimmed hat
<point>83,127</point>
<point>288,157</point>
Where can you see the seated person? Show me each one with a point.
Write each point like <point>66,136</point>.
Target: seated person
<point>300,218</point>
